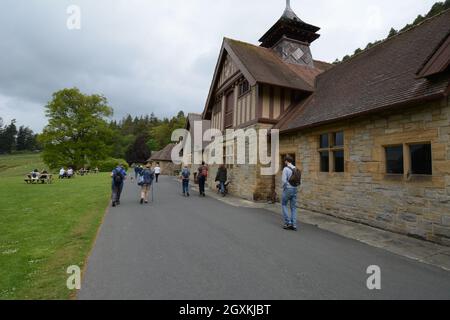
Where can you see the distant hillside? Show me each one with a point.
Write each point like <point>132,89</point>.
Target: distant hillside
<point>437,8</point>
<point>18,165</point>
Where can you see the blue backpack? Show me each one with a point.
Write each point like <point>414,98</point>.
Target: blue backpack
<point>185,173</point>
<point>118,177</point>
<point>147,177</point>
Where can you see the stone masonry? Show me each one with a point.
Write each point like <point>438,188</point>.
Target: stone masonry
<point>418,206</point>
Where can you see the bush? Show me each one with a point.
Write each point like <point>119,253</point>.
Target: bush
<point>110,164</point>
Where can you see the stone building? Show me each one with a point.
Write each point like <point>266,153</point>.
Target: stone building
<point>255,86</point>
<point>164,158</point>
<point>371,135</point>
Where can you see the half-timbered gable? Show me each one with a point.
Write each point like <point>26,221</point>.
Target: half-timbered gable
<point>253,84</point>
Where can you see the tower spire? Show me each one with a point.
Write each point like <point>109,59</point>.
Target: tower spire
<point>289,13</point>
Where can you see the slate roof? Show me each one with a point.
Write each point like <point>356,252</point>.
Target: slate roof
<point>266,67</point>
<point>163,155</point>
<point>385,76</point>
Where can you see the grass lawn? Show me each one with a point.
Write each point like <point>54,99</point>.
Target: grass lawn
<point>44,229</point>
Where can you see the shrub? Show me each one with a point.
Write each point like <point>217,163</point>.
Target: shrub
<point>110,164</point>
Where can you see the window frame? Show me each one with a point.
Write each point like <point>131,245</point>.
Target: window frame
<point>410,164</point>
<point>241,88</point>
<point>407,160</point>
<point>332,149</point>
<point>385,148</point>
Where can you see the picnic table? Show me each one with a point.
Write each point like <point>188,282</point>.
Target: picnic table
<point>41,179</point>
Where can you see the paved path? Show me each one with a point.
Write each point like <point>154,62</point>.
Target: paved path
<point>195,248</point>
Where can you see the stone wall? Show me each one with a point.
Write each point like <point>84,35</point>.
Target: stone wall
<point>415,205</point>
<point>168,168</point>
<point>246,180</point>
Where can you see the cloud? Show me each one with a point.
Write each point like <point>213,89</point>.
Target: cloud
<point>158,56</point>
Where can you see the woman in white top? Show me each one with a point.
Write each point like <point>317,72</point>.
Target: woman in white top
<point>157,171</point>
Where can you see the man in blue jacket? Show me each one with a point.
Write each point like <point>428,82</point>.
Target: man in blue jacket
<point>118,175</point>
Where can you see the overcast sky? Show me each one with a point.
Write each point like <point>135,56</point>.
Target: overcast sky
<point>158,56</point>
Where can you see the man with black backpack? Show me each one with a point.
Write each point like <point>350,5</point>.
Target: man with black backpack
<point>118,177</point>
<point>291,180</point>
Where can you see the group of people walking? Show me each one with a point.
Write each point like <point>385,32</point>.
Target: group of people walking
<point>147,175</point>
<point>202,176</point>
<point>144,175</point>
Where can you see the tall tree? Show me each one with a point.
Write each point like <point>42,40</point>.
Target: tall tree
<point>78,132</point>
<point>26,139</point>
<point>138,152</point>
<point>8,136</point>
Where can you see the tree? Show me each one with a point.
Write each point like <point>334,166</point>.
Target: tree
<point>77,133</point>
<point>8,136</point>
<point>26,139</point>
<point>392,33</point>
<point>437,8</point>
<point>138,152</point>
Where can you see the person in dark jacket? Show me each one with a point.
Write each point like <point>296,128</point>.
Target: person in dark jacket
<point>202,176</point>
<point>222,177</point>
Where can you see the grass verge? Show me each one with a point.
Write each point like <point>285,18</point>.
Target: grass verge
<point>44,229</point>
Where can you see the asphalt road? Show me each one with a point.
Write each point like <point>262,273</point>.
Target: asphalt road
<point>201,248</point>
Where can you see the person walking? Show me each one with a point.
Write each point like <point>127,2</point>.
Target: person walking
<point>146,182</point>
<point>290,181</point>
<point>222,177</point>
<point>157,171</point>
<point>118,177</point>
<point>202,176</point>
<point>137,171</point>
<point>185,176</point>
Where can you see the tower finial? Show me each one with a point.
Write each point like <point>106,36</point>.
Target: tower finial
<point>289,13</point>
<point>288,5</point>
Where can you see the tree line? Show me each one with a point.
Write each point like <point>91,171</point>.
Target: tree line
<point>80,132</point>
<point>13,139</point>
<point>437,8</point>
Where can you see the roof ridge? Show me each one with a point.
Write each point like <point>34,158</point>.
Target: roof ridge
<point>391,38</point>
<point>247,43</point>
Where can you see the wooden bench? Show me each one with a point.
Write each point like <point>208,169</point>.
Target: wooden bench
<point>42,179</point>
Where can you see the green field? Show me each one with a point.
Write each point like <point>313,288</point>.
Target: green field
<point>44,229</point>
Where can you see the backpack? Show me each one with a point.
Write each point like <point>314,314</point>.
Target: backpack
<point>296,178</point>
<point>185,173</point>
<point>204,171</point>
<point>117,177</point>
<point>147,176</point>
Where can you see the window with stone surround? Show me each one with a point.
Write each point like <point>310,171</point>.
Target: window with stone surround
<point>421,159</point>
<point>331,152</point>
<point>409,159</point>
<point>394,160</point>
